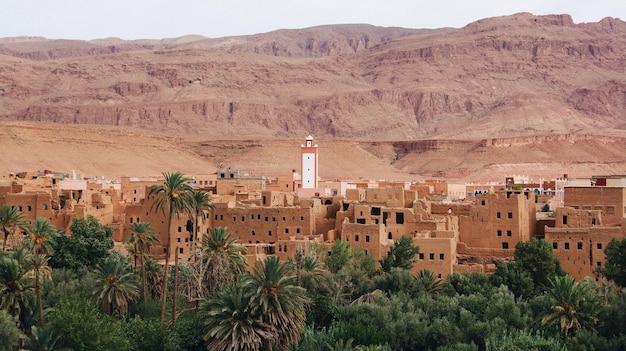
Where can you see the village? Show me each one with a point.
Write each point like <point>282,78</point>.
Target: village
<point>457,227</point>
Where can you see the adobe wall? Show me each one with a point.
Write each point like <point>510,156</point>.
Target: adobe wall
<point>609,200</point>
<point>265,224</point>
<point>581,250</point>
<point>499,221</point>
<point>436,254</point>
<point>231,186</point>
<point>370,237</point>
<point>454,208</point>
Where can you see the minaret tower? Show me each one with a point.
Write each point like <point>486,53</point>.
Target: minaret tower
<point>308,157</point>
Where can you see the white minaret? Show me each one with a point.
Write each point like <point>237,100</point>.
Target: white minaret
<point>308,157</point>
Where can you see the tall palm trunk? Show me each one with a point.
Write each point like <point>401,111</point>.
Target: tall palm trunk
<point>175,288</point>
<point>144,278</point>
<point>167,263</point>
<point>39,302</point>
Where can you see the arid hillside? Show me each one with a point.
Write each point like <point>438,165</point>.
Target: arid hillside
<point>520,94</point>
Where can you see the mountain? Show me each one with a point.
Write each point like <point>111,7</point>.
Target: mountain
<point>401,94</point>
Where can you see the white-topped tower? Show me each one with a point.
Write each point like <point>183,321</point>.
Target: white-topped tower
<point>308,163</point>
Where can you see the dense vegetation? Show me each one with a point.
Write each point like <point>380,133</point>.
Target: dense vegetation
<point>74,292</point>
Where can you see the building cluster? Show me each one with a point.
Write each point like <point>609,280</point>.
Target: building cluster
<point>457,227</point>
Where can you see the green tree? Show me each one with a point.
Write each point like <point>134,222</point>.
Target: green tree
<point>615,263</point>
<point>85,328</point>
<point>510,274</point>
<point>278,301</point>
<point>11,219</point>
<point>229,322</point>
<point>575,305</point>
<point>172,199</point>
<point>89,244</point>
<point>537,259</point>
<point>16,286</point>
<point>400,255</point>
<point>115,286</point>
<point>41,270</point>
<point>10,334</point>
<point>339,257</point>
<point>142,239</point>
<point>223,257</point>
<point>42,237</point>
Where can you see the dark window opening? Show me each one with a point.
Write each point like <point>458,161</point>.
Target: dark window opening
<point>399,218</point>
<point>360,220</point>
<point>375,211</point>
<point>505,245</point>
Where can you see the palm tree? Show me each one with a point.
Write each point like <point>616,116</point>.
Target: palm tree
<point>16,287</point>
<point>426,280</point>
<point>142,239</point>
<point>11,218</point>
<point>229,323</point>
<point>575,305</point>
<point>115,285</point>
<point>278,301</point>
<point>45,339</point>
<point>154,278</point>
<point>200,201</point>
<point>172,199</point>
<point>42,237</point>
<point>223,256</point>
<point>39,266</point>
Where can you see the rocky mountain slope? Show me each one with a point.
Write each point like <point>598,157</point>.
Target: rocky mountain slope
<point>538,84</point>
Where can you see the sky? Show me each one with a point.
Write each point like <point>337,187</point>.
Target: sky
<point>156,19</point>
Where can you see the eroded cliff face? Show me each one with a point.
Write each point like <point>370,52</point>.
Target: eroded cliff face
<point>500,77</point>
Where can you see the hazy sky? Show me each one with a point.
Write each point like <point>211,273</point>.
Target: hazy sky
<point>150,19</point>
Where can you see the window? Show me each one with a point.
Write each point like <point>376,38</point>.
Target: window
<point>367,238</point>
<point>356,238</point>
<point>360,220</point>
<point>216,217</point>
<point>564,219</point>
<point>297,230</point>
<point>566,246</point>
<point>431,256</point>
<point>579,246</point>
<point>302,218</point>
<point>399,217</point>
<point>421,256</point>
<point>20,208</point>
<point>45,206</point>
<point>177,240</point>
<point>482,202</point>
<point>234,218</point>
<point>267,218</point>
<point>510,215</point>
<point>499,232</point>
<point>390,236</point>
<point>269,233</point>
<point>181,250</point>
<point>441,256</point>
<point>221,217</point>
<point>29,208</point>
<point>375,211</point>
<point>131,219</point>
<point>505,246</point>
<point>273,219</point>
<point>509,233</point>
<point>243,218</point>
<point>438,275</point>
<point>180,229</point>
<point>555,245</point>
<point>593,221</point>
<point>253,233</point>
<point>498,215</point>
<point>286,230</point>
<point>599,246</point>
